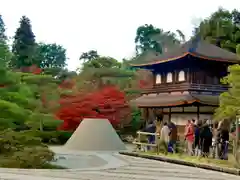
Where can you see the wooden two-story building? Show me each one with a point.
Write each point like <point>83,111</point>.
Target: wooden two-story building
<point>186,82</point>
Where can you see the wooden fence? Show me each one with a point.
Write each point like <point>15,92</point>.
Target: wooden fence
<point>143,145</point>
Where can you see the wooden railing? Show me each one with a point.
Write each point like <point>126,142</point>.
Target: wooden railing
<point>185,87</point>
<point>142,145</point>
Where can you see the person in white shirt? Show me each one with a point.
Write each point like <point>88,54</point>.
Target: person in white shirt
<point>164,136</point>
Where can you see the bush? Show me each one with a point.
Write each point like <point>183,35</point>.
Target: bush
<point>28,157</point>
<point>19,150</point>
<point>11,141</point>
<point>64,136</point>
<point>50,137</point>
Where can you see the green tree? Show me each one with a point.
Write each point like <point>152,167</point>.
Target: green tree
<point>150,38</point>
<point>230,102</point>
<point>221,29</point>
<point>103,70</point>
<point>51,55</point>
<point>46,92</point>
<point>2,29</point>
<point>236,17</point>
<point>24,45</point>
<point>27,100</point>
<point>181,35</point>
<point>102,62</point>
<point>17,105</point>
<point>17,100</point>
<point>5,54</point>
<point>168,40</point>
<point>88,56</point>
<point>144,38</point>
<point>53,71</point>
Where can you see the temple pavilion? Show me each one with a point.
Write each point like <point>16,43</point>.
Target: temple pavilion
<point>186,82</point>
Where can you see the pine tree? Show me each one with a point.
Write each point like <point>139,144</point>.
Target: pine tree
<point>4,50</point>
<point>15,100</point>
<point>2,29</point>
<point>229,106</point>
<point>24,45</point>
<point>43,87</point>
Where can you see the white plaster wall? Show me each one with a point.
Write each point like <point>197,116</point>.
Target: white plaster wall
<point>169,77</point>
<point>181,76</point>
<point>181,119</point>
<point>158,79</point>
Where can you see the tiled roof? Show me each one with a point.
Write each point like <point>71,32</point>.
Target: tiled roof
<point>173,100</point>
<point>201,49</point>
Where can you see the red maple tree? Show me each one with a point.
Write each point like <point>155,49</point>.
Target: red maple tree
<point>67,84</point>
<point>34,69</point>
<point>108,102</point>
<point>143,84</point>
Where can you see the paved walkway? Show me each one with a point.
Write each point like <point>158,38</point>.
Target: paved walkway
<point>118,167</point>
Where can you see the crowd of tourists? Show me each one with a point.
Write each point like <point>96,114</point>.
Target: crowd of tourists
<point>201,138</point>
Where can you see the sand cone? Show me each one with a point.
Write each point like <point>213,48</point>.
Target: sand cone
<point>95,135</point>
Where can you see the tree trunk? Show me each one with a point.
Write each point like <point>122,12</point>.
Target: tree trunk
<point>236,148</point>
<point>41,125</point>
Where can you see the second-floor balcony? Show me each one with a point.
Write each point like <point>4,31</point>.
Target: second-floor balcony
<point>181,87</point>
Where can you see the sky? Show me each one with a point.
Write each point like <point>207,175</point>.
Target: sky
<point>108,26</point>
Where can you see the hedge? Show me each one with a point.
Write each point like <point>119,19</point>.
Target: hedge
<point>50,137</point>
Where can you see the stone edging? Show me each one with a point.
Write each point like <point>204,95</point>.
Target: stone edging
<point>185,163</point>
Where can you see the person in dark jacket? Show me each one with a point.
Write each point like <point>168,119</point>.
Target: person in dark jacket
<point>224,144</point>
<point>151,128</point>
<point>197,150</point>
<point>205,138</point>
<point>223,139</point>
<point>173,135</point>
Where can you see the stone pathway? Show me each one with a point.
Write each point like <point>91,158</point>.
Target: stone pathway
<point>119,167</point>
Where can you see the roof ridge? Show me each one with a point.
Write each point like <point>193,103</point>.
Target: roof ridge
<point>199,48</point>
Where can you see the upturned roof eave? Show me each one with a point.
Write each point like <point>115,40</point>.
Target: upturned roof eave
<point>175,100</point>
<point>184,55</point>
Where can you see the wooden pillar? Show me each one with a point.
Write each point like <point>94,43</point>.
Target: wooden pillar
<point>188,76</point>
<point>175,76</point>
<point>198,113</point>
<point>236,148</point>
<point>162,114</point>
<point>147,116</point>
<point>153,115</point>
<point>183,109</point>
<point>169,115</point>
<point>144,113</point>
